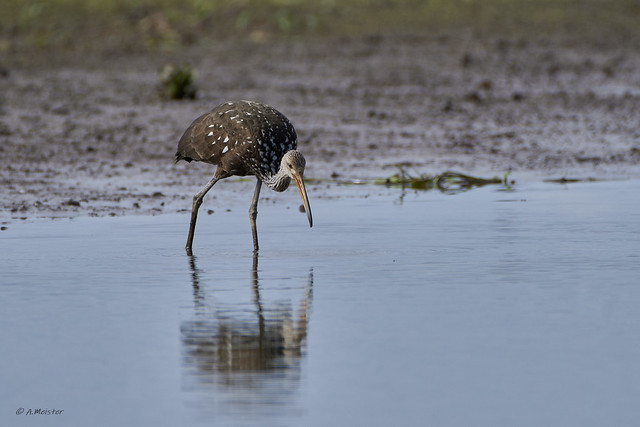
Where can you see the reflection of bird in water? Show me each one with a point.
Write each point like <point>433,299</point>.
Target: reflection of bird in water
<point>222,345</point>
<point>244,138</point>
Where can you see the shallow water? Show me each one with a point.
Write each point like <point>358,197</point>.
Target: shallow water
<point>482,308</point>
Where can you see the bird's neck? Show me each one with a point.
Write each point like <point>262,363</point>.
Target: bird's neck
<point>278,182</point>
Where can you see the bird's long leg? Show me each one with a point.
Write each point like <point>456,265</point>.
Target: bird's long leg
<point>253,213</point>
<point>197,201</point>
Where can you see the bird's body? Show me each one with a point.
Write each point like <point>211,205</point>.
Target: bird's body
<point>241,138</point>
<point>244,138</point>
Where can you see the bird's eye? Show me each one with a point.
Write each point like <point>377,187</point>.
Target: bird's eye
<point>290,165</point>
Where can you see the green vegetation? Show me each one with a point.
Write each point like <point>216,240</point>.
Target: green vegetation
<point>167,24</point>
<point>449,182</point>
<point>177,82</point>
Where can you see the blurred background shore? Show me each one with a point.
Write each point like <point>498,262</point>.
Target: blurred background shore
<point>135,25</point>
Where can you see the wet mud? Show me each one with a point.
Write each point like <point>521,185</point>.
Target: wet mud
<point>88,134</point>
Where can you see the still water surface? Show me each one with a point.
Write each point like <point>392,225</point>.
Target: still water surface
<point>482,308</point>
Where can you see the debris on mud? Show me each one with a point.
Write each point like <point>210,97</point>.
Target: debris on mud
<point>447,182</point>
<point>565,180</point>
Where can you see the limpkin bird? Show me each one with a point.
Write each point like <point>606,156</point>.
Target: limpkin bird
<point>244,138</point>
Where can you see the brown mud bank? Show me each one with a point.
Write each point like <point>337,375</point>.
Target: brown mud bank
<point>89,135</point>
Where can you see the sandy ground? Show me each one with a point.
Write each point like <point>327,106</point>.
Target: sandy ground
<point>89,135</point>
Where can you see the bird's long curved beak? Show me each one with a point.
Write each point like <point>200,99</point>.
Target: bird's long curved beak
<point>305,200</point>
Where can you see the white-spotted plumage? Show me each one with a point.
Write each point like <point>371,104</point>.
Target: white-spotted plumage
<point>255,139</point>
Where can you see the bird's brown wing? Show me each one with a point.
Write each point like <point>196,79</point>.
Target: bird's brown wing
<point>242,138</point>
<point>213,135</point>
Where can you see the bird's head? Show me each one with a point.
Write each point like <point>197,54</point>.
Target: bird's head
<point>293,164</point>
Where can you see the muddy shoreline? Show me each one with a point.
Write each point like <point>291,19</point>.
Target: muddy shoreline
<point>87,134</point>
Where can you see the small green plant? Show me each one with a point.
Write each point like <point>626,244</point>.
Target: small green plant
<point>177,82</point>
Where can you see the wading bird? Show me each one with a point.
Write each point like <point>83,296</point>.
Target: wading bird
<point>244,138</point>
